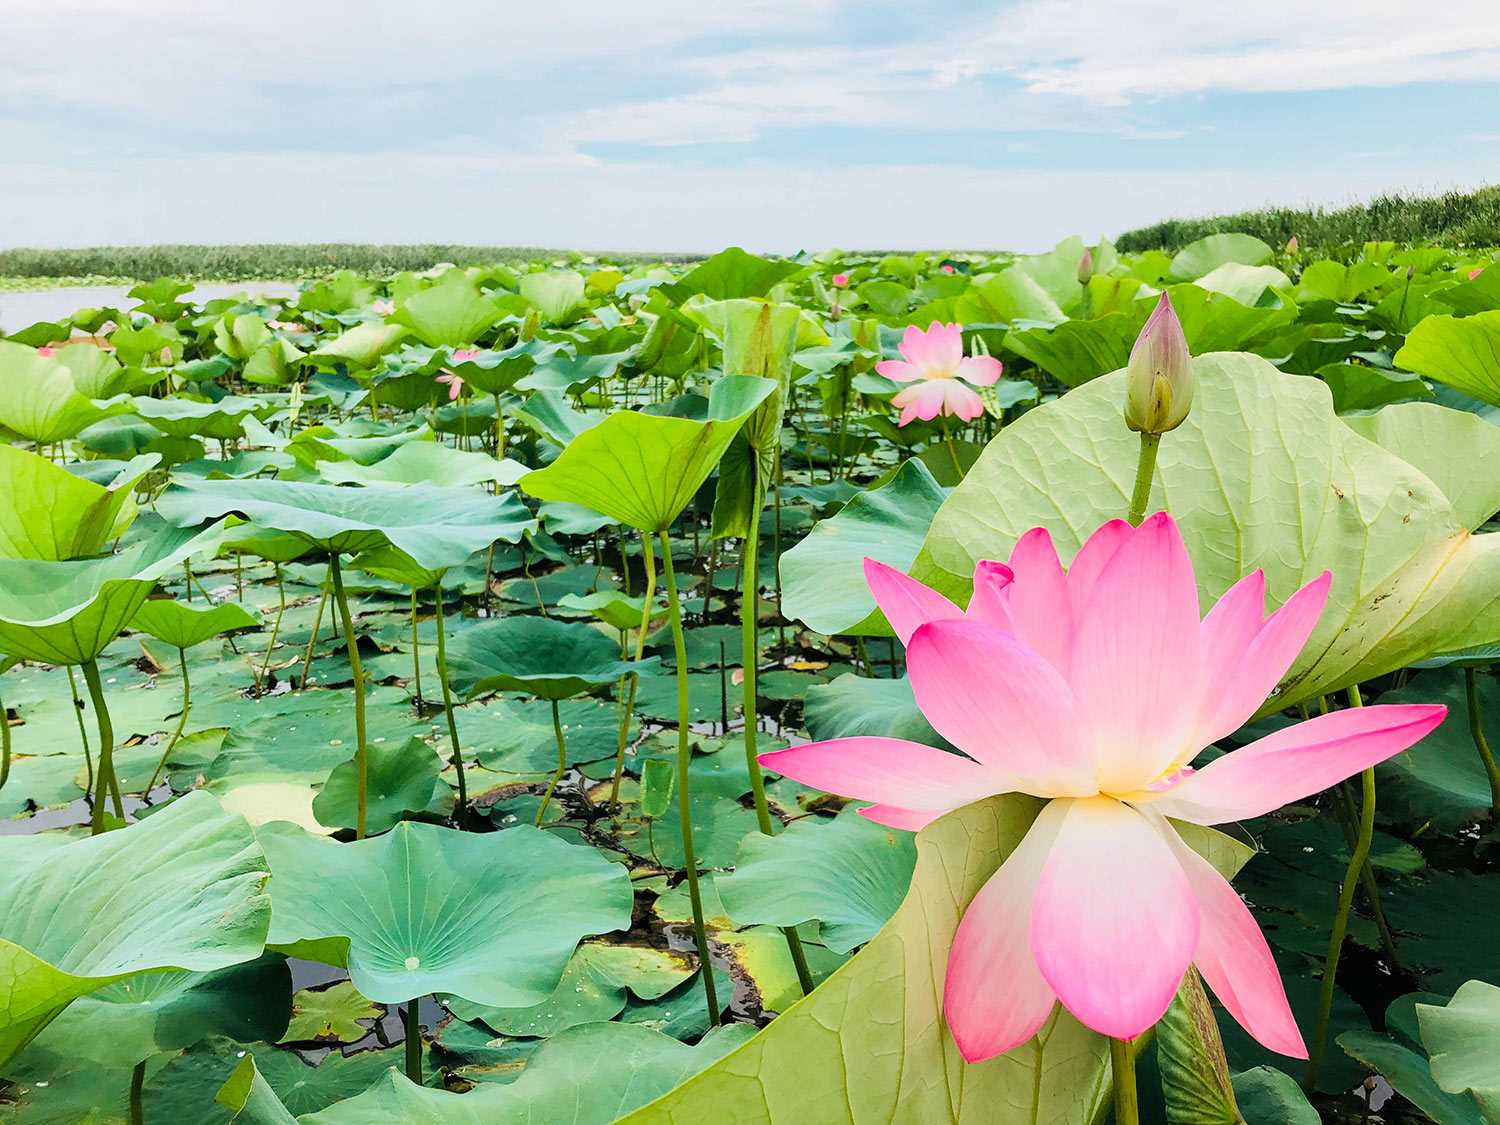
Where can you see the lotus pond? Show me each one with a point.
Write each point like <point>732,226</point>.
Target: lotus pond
<point>759,690</point>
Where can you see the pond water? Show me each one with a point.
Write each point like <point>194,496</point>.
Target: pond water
<point>21,307</point>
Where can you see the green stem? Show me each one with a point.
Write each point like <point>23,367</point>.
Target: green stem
<point>187,703</point>
<point>4,744</point>
<point>1481,743</point>
<point>351,643</point>
<point>1363,839</point>
<point>416,649</point>
<point>413,1042</point>
<point>1349,815</point>
<point>684,803</point>
<point>137,1085</point>
<point>312,639</point>
<point>750,666</point>
<point>105,784</point>
<point>499,430</point>
<point>1122,1063</point>
<point>1145,467</point>
<point>83,734</point>
<point>442,667</point>
<point>649,561</point>
<point>265,665</point>
<point>187,572</point>
<point>562,762</point>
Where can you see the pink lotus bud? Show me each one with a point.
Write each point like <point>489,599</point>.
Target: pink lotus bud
<point>1085,267</point>
<point>841,281</point>
<point>1159,379</point>
<point>1475,272</point>
<point>947,267</point>
<point>383,307</point>
<point>1292,245</point>
<point>464,355</point>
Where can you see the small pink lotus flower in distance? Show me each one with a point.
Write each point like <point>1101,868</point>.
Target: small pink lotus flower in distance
<point>465,355</point>
<point>939,374</point>
<point>1094,688</point>
<point>46,350</point>
<point>455,384</point>
<point>841,281</point>
<point>284,325</point>
<point>1292,245</point>
<point>383,307</point>
<point>1475,272</point>
<point>947,267</point>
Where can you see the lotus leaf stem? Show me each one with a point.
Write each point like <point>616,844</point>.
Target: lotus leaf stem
<point>1481,743</point>
<point>562,762</point>
<point>351,643</point>
<point>442,667</point>
<point>187,703</point>
<point>413,1042</point>
<point>105,785</point>
<point>649,558</point>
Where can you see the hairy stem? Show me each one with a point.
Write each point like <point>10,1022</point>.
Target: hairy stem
<point>187,703</point>
<point>105,784</point>
<point>1481,743</point>
<point>1145,468</point>
<point>442,667</point>
<point>351,643</point>
<point>562,762</point>
<point>649,554</point>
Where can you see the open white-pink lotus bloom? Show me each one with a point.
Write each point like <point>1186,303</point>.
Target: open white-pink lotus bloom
<point>1096,687</point>
<point>938,374</point>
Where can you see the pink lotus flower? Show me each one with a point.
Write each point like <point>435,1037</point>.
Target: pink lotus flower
<point>46,350</point>
<point>1475,272</point>
<point>939,374</point>
<point>464,355</point>
<point>383,307</point>
<point>947,267</point>
<point>455,384</point>
<point>841,281</point>
<point>1095,687</point>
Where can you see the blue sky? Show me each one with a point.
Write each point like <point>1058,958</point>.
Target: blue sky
<point>679,125</point>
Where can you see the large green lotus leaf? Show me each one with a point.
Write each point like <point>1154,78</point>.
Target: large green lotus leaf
<point>862,705</point>
<point>1215,322</point>
<point>1463,352</point>
<point>540,655</point>
<point>1198,258</point>
<point>98,374</point>
<point>1262,474</point>
<point>870,1044</point>
<point>557,294</point>
<point>249,1097</point>
<point>360,347</point>
<point>182,889</point>
<point>1360,386</point>
<point>132,1019</point>
<point>551,414</point>
<point>493,918</point>
<point>54,514</point>
<point>849,873</point>
<point>1246,284</point>
<point>38,399</point>
<point>182,418</point>
<point>1410,1075</point>
<point>437,527</point>
<point>425,462</point>
<point>1266,1096</point>
<point>1444,444</point>
<point>67,612</point>
<point>401,777</point>
<point>448,315</point>
<point>733,273</point>
<point>1076,351</point>
<point>1008,296</point>
<point>757,337</point>
<point>183,626</point>
<point>589,1075</point>
<point>822,577</point>
<point>1461,1039</point>
<point>643,469</point>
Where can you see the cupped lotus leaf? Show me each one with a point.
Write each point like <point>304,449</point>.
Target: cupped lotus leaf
<point>495,372</point>
<point>97,373</point>
<point>54,514</point>
<point>1006,297</point>
<point>1246,284</point>
<point>884,1009</point>
<point>848,873</point>
<point>735,273</point>
<point>437,527</point>
<point>1463,352</point>
<point>39,400</point>
<point>183,418</point>
<point>613,607</point>
<point>273,365</point>
<point>402,777</point>
<point>1262,474</point>
<point>493,918</point>
<point>249,1098</point>
<point>263,542</point>
<point>588,1075</point>
<point>1266,1096</point>
<point>556,294</point>
<point>67,612</point>
<point>823,582</point>
<point>135,343</point>
<point>1359,386</point>
<point>360,347</point>
<point>550,414</point>
<point>183,889</point>
<point>643,469</point>
<point>1076,351</point>
<point>241,335</point>
<point>425,462</point>
<point>448,315</point>
<point>1200,257</point>
<point>1445,445</point>
<point>547,658</point>
<point>183,625</point>
<point>757,337</point>
<point>1215,322</point>
<point>1460,1039</point>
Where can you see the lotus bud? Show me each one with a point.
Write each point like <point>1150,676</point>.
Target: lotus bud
<point>1159,379</point>
<point>1411,272</point>
<point>841,281</point>
<point>1292,245</point>
<point>1085,267</point>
